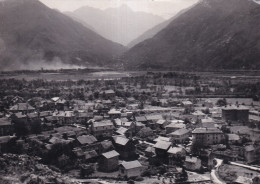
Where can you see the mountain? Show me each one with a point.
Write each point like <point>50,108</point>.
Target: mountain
<point>121,25</point>
<point>214,34</point>
<point>154,30</point>
<point>33,35</point>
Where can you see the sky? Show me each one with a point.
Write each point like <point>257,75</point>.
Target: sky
<point>163,8</point>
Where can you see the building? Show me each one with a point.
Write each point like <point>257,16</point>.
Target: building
<point>235,113</point>
<point>131,169</point>
<point>176,154</point>
<point>24,108</point>
<point>161,148</point>
<point>192,163</point>
<point>5,127</point>
<point>102,129</point>
<point>207,136</point>
<point>125,147</point>
<point>180,136</point>
<point>173,127</point>
<point>109,161</point>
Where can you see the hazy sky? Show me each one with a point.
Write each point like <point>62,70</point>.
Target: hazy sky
<point>164,8</point>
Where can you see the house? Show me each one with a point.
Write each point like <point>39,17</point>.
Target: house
<point>192,163</point>
<point>149,151</point>
<point>176,154</point>
<point>113,113</point>
<point>130,169</point>
<point>233,138</point>
<point>106,146</point>
<point>235,113</point>
<point>90,156</point>
<point>207,123</point>
<point>102,128</point>
<point>173,127</point>
<point>109,161</point>
<point>187,104</point>
<point>161,123</point>
<point>152,119</point>
<point>6,127</point>
<point>250,154</point>
<point>110,93</point>
<point>125,147</point>
<point>198,115</point>
<point>141,119</point>
<point>161,148</point>
<point>24,108</point>
<point>180,136</point>
<point>207,136</point>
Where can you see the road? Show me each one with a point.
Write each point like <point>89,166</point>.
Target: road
<point>246,166</point>
<point>214,177</point>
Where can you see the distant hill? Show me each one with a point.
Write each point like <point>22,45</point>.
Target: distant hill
<point>33,35</point>
<point>121,25</point>
<point>214,34</point>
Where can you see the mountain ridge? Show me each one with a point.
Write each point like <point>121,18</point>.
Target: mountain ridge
<point>31,34</point>
<point>214,34</point>
<point>120,24</point>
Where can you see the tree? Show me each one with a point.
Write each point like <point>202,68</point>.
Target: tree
<point>21,127</point>
<point>36,126</point>
<point>221,102</point>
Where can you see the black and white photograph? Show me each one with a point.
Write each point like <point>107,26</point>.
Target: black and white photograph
<point>129,91</point>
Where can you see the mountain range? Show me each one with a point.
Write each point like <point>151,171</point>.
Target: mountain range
<point>213,34</point>
<point>33,35</point>
<point>121,24</point>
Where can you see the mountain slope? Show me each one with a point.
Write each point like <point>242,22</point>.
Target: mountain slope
<point>154,30</point>
<point>214,34</point>
<point>32,34</point>
<point>121,25</point>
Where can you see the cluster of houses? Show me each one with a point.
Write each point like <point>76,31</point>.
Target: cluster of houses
<point>129,135</point>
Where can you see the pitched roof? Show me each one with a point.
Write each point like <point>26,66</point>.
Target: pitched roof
<point>121,130</point>
<point>90,154</point>
<point>176,125</point>
<point>21,107</point>
<point>175,150</point>
<point>162,145</point>
<point>131,164</point>
<point>140,118</point>
<point>160,121</point>
<point>180,132</point>
<point>110,154</point>
<point>102,123</point>
<point>191,159</point>
<point>120,140</point>
<point>233,137</point>
<point>160,138</point>
<point>206,130</point>
<point>86,139</point>
<point>154,117</point>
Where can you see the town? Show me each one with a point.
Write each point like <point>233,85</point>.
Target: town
<point>159,127</point>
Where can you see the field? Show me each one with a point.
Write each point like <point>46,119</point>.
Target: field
<point>105,75</point>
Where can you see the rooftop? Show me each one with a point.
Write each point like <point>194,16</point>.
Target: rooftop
<point>131,164</point>
<point>110,154</point>
<point>206,130</point>
<point>162,145</point>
